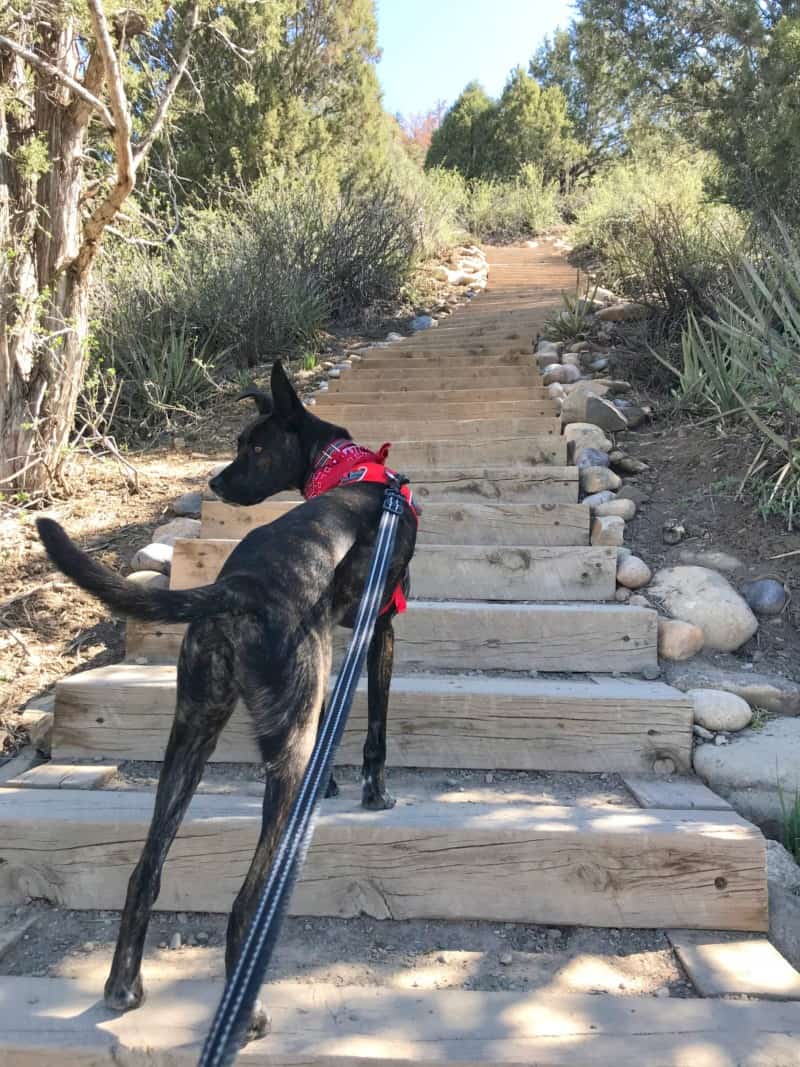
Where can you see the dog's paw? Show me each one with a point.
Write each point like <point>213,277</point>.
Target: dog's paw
<point>120,997</point>
<point>260,1023</point>
<point>376,799</point>
<point>333,788</point>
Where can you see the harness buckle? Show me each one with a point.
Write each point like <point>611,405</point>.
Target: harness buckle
<point>393,500</point>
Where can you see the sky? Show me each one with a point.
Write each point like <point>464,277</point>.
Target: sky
<point>432,48</point>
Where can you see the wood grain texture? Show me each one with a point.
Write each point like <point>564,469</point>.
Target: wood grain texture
<point>512,862</point>
<point>342,412</point>
<point>424,395</point>
<point>351,381</point>
<point>44,1021</point>
<point>434,721</point>
<point>375,430</point>
<point>516,451</point>
<point>465,635</point>
<point>490,524</point>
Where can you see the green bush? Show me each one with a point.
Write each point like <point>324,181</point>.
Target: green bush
<point>507,210</point>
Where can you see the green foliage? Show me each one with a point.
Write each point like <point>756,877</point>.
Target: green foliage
<point>574,320</point>
<point>790,820</point>
<point>708,377</point>
<point>484,139</point>
<point>32,157</point>
<point>507,210</point>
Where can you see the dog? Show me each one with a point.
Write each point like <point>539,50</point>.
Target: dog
<point>262,633</point>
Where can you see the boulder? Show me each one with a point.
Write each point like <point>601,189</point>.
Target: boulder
<point>629,465</point>
<point>783,886</point>
<point>678,640</point>
<point>188,505</point>
<point>596,500</point>
<point>556,391</point>
<point>562,373</point>
<point>602,413</point>
<point>704,597</point>
<point>584,435</point>
<point>608,530</point>
<point>586,387</point>
<point>590,457</point>
<point>623,312</point>
<point>177,529</point>
<point>766,596</point>
<point>634,414</point>
<point>626,509</point>
<point>598,479</point>
<point>772,692</point>
<point>154,557</point>
<point>758,772</point>
<point>421,322</point>
<point>717,710</point>
<point>633,572</point>
<point>710,557</point>
<point>150,579</point>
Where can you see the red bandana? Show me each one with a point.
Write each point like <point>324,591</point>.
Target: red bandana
<point>343,462</point>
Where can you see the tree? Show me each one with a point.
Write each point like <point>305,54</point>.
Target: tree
<point>61,71</point>
<point>460,142</point>
<point>530,125</point>
<point>417,130</point>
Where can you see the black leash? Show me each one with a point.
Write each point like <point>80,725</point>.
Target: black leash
<point>241,991</point>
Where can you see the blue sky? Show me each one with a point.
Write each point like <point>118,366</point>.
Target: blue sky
<point>432,48</point>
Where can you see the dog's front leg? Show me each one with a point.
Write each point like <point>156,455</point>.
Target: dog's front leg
<point>380,661</point>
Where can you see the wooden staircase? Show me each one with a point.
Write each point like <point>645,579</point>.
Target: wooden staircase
<point>513,656</point>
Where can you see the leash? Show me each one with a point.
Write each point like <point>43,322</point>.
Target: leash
<point>241,990</point>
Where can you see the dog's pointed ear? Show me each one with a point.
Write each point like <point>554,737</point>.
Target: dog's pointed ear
<point>287,405</point>
<point>263,400</point>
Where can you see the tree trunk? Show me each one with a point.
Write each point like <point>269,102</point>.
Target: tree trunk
<point>43,292</point>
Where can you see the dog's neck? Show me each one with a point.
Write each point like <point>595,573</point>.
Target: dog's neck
<point>315,436</point>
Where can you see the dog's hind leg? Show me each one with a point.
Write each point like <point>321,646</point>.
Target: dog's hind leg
<point>380,662</point>
<point>205,699</point>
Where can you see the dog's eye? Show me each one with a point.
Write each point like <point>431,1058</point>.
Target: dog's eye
<point>258,448</point>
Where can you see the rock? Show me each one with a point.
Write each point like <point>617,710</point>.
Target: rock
<point>634,414</point>
<point>591,457</point>
<point>702,733</point>
<point>622,595</point>
<point>717,710</point>
<point>175,941</point>
<point>608,530</point>
<point>678,640</point>
<point>664,766</point>
<point>605,296</point>
<point>721,739</point>
<point>704,597</point>
<point>639,601</point>
<point>572,359</point>
<point>599,364</point>
<point>603,414</point>
<point>551,348</point>
<point>488,777</point>
<point>440,273</point>
<point>586,387</point>
<point>394,336</point>
<point>766,596</point>
<point>556,391</point>
<point>421,322</point>
<point>758,772</point>
<point>150,579</point>
<point>783,885</point>
<point>506,958</point>
<point>771,692</point>
<point>173,531</point>
<point>648,673</point>
<point>615,386</point>
<point>38,722</point>
<point>584,435</point>
<point>598,480</point>
<point>633,572</point>
<point>625,509</point>
<point>188,505</point>
<point>629,465</point>
<point>623,312</point>
<point>155,557</point>
<point>596,500</point>
<point>560,372</point>
<point>710,557</point>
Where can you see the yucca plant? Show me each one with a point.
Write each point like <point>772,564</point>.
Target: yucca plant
<point>575,318</point>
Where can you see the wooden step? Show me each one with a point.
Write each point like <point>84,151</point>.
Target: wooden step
<point>351,381</point>
<point>457,572</point>
<point>501,860</point>
<point>485,396</point>
<point>469,635</point>
<point>545,484</point>
<point>449,452</point>
<point>49,1021</point>
<point>335,410</point>
<point>493,524</point>
<point>456,721</point>
<point>399,359</point>
<point>369,431</point>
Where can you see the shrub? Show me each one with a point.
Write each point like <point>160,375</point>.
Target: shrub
<point>506,210</point>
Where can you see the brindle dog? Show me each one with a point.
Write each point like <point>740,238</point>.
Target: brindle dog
<point>263,634</point>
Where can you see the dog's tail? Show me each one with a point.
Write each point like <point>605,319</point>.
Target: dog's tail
<point>128,598</point>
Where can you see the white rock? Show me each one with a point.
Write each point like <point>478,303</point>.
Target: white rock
<point>155,557</point>
<point>394,336</point>
<point>772,692</point>
<point>633,572</point>
<point>188,505</point>
<point>622,312</point>
<point>626,509</point>
<point>710,557</point>
<point>150,579</point>
<point>596,500</point>
<point>598,479</point>
<point>584,435</point>
<point>639,601</point>
<point>170,532</point>
<point>549,347</point>
<point>608,531</point>
<point>571,359</point>
<point>705,598</point>
<point>622,595</point>
<point>560,372</point>
<point>556,391</point>
<point>717,710</point>
<point>678,640</point>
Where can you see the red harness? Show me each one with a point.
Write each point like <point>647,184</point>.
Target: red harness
<point>343,462</point>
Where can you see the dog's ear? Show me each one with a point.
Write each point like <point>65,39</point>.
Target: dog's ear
<point>287,406</point>
<point>263,400</point>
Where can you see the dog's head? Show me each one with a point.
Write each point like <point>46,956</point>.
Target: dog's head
<point>274,452</point>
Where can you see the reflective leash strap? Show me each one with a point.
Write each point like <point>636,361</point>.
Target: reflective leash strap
<point>241,991</point>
